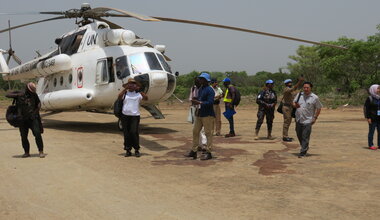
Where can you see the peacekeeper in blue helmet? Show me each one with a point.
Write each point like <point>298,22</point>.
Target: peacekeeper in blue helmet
<point>267,100</point>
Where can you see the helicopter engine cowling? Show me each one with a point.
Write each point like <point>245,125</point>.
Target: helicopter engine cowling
<point>119,37</point>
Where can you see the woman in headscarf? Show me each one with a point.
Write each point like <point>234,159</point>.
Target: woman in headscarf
<point>372,114</point>
<point>130,117</point>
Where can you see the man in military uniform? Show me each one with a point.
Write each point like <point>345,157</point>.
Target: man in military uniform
<point>287,107</point>
<point>266,100</point>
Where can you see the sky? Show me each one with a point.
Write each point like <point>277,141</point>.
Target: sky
<point>198,48</point>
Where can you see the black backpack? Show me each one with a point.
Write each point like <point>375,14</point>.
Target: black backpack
<point>118,107</point>
<point>237,99</point>
<point>12,116</point>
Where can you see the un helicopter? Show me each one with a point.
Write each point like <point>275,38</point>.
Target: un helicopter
<point>90,64</point>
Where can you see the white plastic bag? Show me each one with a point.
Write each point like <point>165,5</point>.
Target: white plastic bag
<point>191,115</point>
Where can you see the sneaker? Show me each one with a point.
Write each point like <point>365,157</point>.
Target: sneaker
<point>41,154</point>
<point>128,153</point>
<point>373,148</point>
<point>207,156</point>
<point>137,153</point>
<point>25,155</point>
<point>301,155</point>
<point>287,139</point>
<point>229,135</point>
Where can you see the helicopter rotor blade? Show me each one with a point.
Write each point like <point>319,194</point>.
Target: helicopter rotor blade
<point>8,58</point>
<point>102,11</point>
<point>16,59</point>
<point>245,30</point>
<point>10,35</point>
<point>19,13</point>
<point>35,22</point>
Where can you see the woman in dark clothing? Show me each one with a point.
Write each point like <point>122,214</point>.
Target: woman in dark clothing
<point>28,107</point>
<point>130,117</point>
<point>372,114</point>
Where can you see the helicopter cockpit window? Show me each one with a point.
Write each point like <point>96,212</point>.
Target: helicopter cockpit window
<point>70,44</point>
<point>122,69</point>
<point>144,62</point>
<point>153,62</point>
<point>164,63</point>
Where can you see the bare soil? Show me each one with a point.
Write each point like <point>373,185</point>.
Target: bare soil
<point>86,176</point>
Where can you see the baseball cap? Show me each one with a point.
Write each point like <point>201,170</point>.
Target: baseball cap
<point>227,80</point>
<point>206,76</point>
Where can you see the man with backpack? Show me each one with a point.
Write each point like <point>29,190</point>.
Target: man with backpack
<point>266,100</point>
<point>231,99</point>
<point>28,106</point>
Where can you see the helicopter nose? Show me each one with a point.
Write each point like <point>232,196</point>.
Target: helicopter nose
<point>158,79</point>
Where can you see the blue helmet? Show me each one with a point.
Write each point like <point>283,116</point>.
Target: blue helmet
<point>227,80</point>
<point>287,81</point>
<point>206,76</point>
<point>269,81</point>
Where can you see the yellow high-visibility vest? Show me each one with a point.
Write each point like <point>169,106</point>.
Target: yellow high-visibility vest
<point>225,97</point>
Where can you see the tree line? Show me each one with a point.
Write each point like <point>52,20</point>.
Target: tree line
<point>341,76</point>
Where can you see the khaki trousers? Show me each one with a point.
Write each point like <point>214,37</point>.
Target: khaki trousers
<point>208,124</point>
<point>287,113</point>
<point>218,119</point>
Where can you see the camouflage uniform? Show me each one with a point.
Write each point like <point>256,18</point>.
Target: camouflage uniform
<point>266,100</point>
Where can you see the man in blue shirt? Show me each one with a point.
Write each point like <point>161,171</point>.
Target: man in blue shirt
<point>204,117</point>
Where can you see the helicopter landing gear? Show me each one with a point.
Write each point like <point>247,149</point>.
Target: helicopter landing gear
<point>119,125</point>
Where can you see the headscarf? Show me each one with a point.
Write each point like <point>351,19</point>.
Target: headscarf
<point>373,91</point>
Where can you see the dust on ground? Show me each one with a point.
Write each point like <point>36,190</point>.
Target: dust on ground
<point>86,176</point>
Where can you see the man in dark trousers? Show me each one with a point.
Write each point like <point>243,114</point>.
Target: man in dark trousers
<point>204,117</point>
<point>266,100</point>
<point>229,97</point>
<point>308,109</point>
<point>28,107</point>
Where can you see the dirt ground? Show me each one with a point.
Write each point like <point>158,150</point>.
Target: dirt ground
<point>86,176</point>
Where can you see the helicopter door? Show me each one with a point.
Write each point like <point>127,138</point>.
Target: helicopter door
<point>104,71</point>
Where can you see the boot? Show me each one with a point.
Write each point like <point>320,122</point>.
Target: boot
<point>207,156</point>
<point>191,154</point>
<point>269,134</point>
<point>257,134</point>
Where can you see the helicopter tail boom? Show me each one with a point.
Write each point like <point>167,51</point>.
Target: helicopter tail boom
<point>40,68</point>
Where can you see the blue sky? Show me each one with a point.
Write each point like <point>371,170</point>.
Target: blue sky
<point>203,48</point>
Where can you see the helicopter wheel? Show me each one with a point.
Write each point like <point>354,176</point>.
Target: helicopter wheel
<point>119,125</point>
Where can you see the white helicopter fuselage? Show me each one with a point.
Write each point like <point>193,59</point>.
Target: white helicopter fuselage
<point>91,65</point>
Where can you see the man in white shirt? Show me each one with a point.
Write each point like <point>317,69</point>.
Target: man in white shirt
<point>308,109</point>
